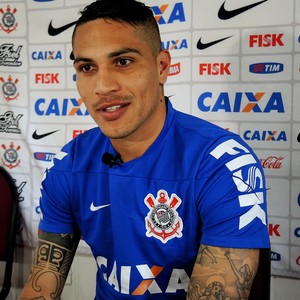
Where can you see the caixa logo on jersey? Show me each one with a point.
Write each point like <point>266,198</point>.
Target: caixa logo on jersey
<point>60,107</point>
<point>266,68</point>
<point>243,102</point>
<point>168,14</point>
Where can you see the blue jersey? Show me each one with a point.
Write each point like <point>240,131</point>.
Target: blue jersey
<point>145,219</point>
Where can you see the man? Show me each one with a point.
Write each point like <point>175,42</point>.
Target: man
<point>161,197</point>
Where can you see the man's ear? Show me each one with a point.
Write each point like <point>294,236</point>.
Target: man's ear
<point>163,62</point>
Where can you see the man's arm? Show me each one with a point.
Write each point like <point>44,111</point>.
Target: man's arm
<point>223,273</point>
<point>52,261</point>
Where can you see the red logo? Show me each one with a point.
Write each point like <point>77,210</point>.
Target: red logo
<point>266,40</point>
<point>163,221</point>
<point>8,23</point>
<point>174,69</point>
<point>77,132</point>
<point>47,78</point>
<point>214,69</point>
<point>272,162</point>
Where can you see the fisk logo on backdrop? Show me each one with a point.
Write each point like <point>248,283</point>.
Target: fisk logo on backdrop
<point>266,40</point>
<point>214,69</point>
<point>47,78</point>
<point>60,107</point>
<point>266,68</point>
<point>168,14</point>
<point>244,102</point>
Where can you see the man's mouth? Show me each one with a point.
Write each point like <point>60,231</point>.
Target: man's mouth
<point>112,108</point>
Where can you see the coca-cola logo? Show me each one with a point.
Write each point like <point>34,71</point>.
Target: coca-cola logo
<point>272,162</point>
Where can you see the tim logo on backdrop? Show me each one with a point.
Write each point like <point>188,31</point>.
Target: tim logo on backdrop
<point>266,68</point>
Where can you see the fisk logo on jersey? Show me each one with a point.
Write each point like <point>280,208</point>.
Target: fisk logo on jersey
<point>266,68</point>
<point>247,178</point>
<point>167,14</point>
<point>60,107</point>
<point>244,102</point>
<point>163,221</point>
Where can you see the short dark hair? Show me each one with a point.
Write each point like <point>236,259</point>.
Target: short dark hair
<point>132,12</point>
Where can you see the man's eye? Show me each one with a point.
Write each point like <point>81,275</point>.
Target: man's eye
<point>123,62</point>
<point>86,68</point>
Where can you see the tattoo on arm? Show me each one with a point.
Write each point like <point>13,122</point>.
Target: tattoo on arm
<point>52,261</point>
<point>223,273</point>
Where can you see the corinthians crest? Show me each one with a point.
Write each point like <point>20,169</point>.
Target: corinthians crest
<point>8,23</point>
<point>163,221</point>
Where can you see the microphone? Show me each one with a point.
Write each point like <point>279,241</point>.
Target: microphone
<point>110,160</point>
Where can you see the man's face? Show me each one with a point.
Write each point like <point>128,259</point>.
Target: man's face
<point>119,77</point>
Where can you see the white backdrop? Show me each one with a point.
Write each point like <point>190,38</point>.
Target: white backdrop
<point>234,62</point>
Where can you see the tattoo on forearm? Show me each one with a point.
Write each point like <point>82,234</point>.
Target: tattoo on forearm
<point>222,274</point>
<point>51,264</point>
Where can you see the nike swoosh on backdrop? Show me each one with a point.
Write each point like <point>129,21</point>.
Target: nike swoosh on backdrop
<point>95,208</point>
<point>225,14</point>
<point>202,46</point>
<point>53,31</point>
<point>40,136</point>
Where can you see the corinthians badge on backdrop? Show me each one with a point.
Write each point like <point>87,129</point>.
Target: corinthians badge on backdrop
<point>8,22</point>
<point>10,156</point>
<point>163,221</point>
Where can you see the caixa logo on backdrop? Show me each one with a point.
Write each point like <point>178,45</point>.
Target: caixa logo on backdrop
<point>60,107</point>
<point>243,102</point>
<point>173,16</point>
<point>168,14</point>
<point>57,106</point>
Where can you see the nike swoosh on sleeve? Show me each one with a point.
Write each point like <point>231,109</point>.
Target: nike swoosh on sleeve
<point>202,46</point>
<point>55,31</point>
<point>40,136</point>
<point>225,14</point>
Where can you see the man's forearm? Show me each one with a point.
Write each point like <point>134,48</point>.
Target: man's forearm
<point>52,261</point>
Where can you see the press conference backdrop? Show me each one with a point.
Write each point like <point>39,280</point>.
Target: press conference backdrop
<point>234,62</point>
